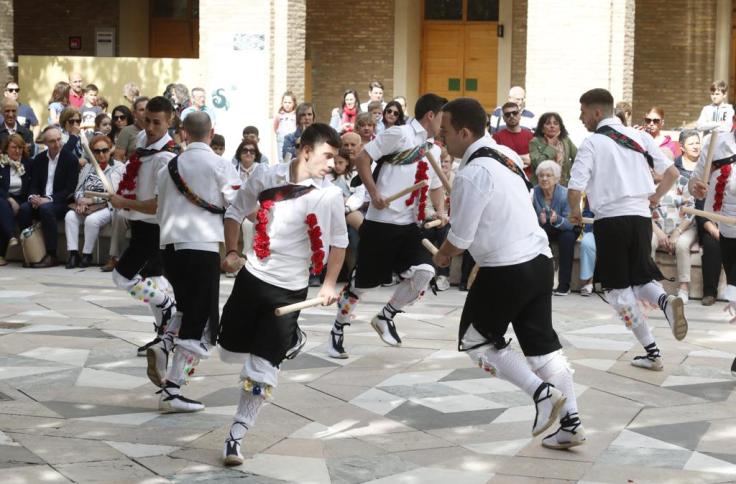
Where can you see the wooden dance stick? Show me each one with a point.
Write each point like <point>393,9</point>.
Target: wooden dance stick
<point>438,169</point>
<point>473,275</point>
<point>709,156</point>
<point>716,217</point>
<point>587,220</point>
<point>104,195</point>
<point>429,246</point>
<point>433,224</point>
<point>405,191</point>
<point>309,303</point>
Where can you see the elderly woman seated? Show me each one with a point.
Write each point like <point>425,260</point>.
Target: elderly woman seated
<point>550,203</point>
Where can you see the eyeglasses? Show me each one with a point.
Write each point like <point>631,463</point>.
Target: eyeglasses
<point>652,120</point>
<point>13,89</point>
<point>74,121</point>
<point>250,151</point>
<point>510,113</point>
<point>392,112</point>
<point>101,151</point>
<point>119,118</point>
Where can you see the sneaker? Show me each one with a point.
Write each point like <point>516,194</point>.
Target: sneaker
<point>143,350</point>
<point>158,360</point>
<point>548,401</point>
<point>13,241</point>
<point>443,283</point>
<point>708,301</point>
<point>231,455</point>
<point>334,347</point>
<point>301,340</point>
<point>177,403</point>
<point>586,290</point>
<point>560,291</point>
<point>650,362</point>
<point>570,434</point>
<point>386,329</point>
<point>684,295</point>
<point>674,311</point>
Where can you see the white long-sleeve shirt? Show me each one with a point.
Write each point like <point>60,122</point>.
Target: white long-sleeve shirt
<point>616,179</point>
<point>291,252</point>
<point>715,117</point>
<point>492,214</point>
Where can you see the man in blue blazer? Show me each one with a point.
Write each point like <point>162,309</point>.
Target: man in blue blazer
<point>54,176</point>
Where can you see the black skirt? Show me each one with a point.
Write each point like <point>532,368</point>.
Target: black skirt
<point>249,325</point>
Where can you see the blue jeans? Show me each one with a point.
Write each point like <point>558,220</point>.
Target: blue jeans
<point>587,256</point>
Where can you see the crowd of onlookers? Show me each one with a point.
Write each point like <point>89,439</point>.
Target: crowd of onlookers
<point>45,174</point>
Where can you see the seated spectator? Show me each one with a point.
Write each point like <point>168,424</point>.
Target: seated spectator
<point>121,117</point>
<point>709,237</point>
<point>517,95</point>
<point>653,124</point>
<point>71,133</point>
<point>126,139</point>
<point>587,253</point>
<point>15,175</point>
<point>550,203</point>
<point>89,109</point>
<point>10,125</point>
<point>218,144</point>
<point>26,116</point>
<point>198,103</point>
<point>284,122</point>
<point>365,127</point>
<point>551,142</point>
<point>95,212</point>
<point>343,118</point>
<point>53,181</point>
<point>719,113</point>
<point>352,145</point>
<point>59,101</point>
<point>682,231</point>
<point>76,92</point>
<point>103,125</point>
<point>514,135</point>
<point>393,115</point>
<point>304,117</point>
<point>253,131</point>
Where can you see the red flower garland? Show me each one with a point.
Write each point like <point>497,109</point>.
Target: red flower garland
<point>421,174</point>
<point>315,241</point>
<point>261,241</point>
<point>126,188</point>
<point>721,187</point>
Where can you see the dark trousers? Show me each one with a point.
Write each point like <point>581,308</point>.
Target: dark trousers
<point>566,245</point>
<point>728,254</point>
<point>7,222</point>
<point>49,214</point>
<point>466,268</point>
<point>711,263</point>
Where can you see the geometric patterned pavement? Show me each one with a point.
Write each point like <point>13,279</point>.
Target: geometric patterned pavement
<point>76,406</point>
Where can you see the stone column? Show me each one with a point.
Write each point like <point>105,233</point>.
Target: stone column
<point>7,42</point>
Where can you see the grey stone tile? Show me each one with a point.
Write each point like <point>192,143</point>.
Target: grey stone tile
<point>668,458</point>
<point>424,418</point>
<point>305,361</point>
<point>81,410</point>
<point>77,333</point>
<point>686,434</point>
<point>470,373</point>
<point>134,310</point>
<point>354,470</point>
<point>15,455</point>
<point>119,470</point>
<point>715,392</point>
<point>420,390</point>
<point>224,476</point>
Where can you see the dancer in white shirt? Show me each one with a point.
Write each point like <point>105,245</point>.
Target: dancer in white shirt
<point>301,221</point>
<point>493,218</point>
<point>720,197</point>
<point>194,190</point>
<point>613,167</point>
<point>390,240</point>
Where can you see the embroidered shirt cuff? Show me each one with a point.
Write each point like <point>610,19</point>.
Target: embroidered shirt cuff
<point>457,241</point>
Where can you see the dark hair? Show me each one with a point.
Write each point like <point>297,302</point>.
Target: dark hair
<point>141,99</point>
<point>319,133</point>
<point>102,103</point>
<point>400,120</point>
<point>428,102</point>
<point>250,130</point>
<point>543,120</point>
<point>357,99</point>
<point>302,109</point>
<point>597,96</point>
<point>218,140</point>
<point>67,114</point>
<point>91,87</point>
<point>248,140</point>
<point>60,93</point>
<point>510,104</point>
<point>467,113</point>
<point>688,133</point>
<point>719,86</point>
<point>99,118</point>
<point>125,110</point>
<point>375,83</point>
<point>159,104</point>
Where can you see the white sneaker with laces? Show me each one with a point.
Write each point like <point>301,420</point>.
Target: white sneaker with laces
<point>570,434</point>
<point>648,362</point>
<point>674,311</point>
<point>684,295</point>
<point>443,284</point>
<point>335,348</point>
<point>386,329</point>
<point>176,402</point>
<point>231,455</point>
<point>548,401</point>
<point>586,290</point>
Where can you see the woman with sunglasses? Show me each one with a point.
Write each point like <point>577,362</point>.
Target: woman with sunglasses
<point>393,115</point>
<point>653,124</point>
<point>121,117</point>
<point>95,212</point>
<point>71,133</point>
<point>15,176</point>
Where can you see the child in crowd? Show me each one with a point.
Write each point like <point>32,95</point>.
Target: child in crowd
<point>365,126</point>
<point>285,121</point>
<point>218,144</point>
<point>90,110</point>
<point>719,113</point>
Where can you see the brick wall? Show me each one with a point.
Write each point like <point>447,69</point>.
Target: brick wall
<point>518,43</point>
<point>297,29</point>
<point>674,56</point>
<point>7,53</point>
<point>35,35</point>
<point>349,44</point>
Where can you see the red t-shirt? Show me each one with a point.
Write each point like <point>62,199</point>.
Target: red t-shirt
<point>76,101</point>
<point>518,142</point>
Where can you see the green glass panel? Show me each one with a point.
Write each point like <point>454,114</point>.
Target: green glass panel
<point>471,84</point>
<point>483,10</point>
<point>453,84</point>
<point>443,10</point>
